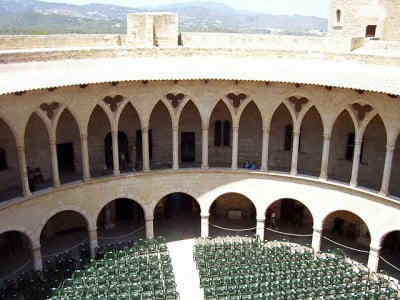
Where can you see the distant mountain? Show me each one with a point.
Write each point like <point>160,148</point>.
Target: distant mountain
<point>38,17</point>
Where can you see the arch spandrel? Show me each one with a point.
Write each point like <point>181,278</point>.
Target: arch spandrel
<point>34,243</point>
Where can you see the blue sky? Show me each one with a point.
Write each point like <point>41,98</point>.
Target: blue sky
<point>290,7</point>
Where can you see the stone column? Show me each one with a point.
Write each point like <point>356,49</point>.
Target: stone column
<point>175,148</point>
<point>264,153</point>
<point>356,162</point>
<point>85,158</point>
<point>23,172</point>
<point>204,147</point>
<point>204,225</point>
<point>235,145</point>
<point>93,242</point>
<point>149,228</point>
<point>373,258</point>
<point>54,163</point>
<point>260,228</point>
<point>325,157</point>
<point>387,170</point>
<point>316,239</point>
<point>295,153</point>
<point>37,258</point>
<point>145,149</point>
<point>115,151</point>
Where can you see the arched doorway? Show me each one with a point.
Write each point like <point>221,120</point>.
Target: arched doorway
<point>230,214</point>
<point>293,222</point>
<point>64,232</point>
<point>250,136</point>
<point>190,136</point>
<point>99,126</point>
<point>342,148</point>
<point>177,217</point>
<point>160,137</point>
<point>37,151</point>
<point>280,140</point>
<point>69,152</point>
<point>120,220</point>
<point>129,123</point>
<point>9,164</point>
<point>123,151</point>
<point>310,144</point>
<point>15,253</point>
<point>373,155</point>
<point>390,254</point>
<point>220,137</point>
<point>347,229</point>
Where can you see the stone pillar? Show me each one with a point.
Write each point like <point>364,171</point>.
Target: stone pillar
<point>356,162</point>
<point>316,239</point>
<point>175,148</point>
<point>325,157</point>
<point>54,163</point>
<point>93,242</point>
<point>373,258</point>
<point>260,228</point>
<point>204,225</point>
<point>37,258</point>
<point>235,146</point>
<point>295,153</point>
<point>387,170</point>
<point>264,153</point>
<point>145,149</point>
<point>115,152</point>
<point>149,228</point>
<point>85,158</point>
<point>204,148</point>
<point>23,171</point>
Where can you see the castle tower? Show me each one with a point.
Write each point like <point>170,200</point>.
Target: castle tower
<point>369,18</point>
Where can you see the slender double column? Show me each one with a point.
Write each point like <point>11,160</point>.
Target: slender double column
<point>23,171</point>
<point>316,239</point>
<point>235,147</point>
<point>295,153</point>
<point>387,170</point>
<point>115,152</point>
<point>204,225</point>
<point>204,147</point>
<point>149,228</point>
<point>85,157</point>
<point>325,157</point>
<point>356,160</point>
<point>264,151</point>
<point>260,227</point>
<point>373,258</point>
<point>93,242</point>
<point>54,163</point>
<point>145,149</point>
<point>175,150</point>
<point>37,258</point>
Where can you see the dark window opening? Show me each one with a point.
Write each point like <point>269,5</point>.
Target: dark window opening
<point>338,16</point>
<point>288,137</point>
<point>217,133</point>
<point>3,160</point>
<point>351,146</point>
<point>370,31</point>
<point>227,133</point>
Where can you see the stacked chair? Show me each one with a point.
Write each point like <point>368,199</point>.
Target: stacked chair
<point>246,268</point>
<point>130,271</point>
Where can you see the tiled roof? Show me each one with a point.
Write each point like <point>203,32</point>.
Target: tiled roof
<point>16,77</point>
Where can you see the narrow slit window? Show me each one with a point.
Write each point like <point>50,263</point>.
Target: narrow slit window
<point>217,133</point>
<point>338,16</point>
<point>3,160</point>
<point>288,137</point>
<point>227,133</point>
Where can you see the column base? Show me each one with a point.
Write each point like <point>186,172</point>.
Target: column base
<point>383,193</point>
<point>323,178</point>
